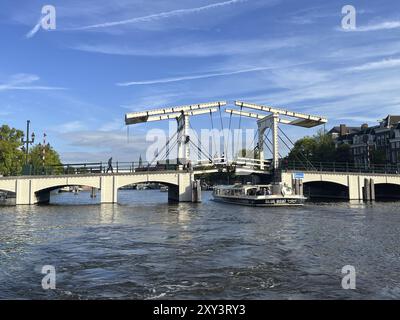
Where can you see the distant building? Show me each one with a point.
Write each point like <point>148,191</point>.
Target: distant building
<point>367,142</point>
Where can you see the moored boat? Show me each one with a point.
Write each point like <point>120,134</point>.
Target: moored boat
<point>276,194</point>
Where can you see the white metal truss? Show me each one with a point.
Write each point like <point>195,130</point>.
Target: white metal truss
<point>181,114</point>
<point>143,116</point>
<point>272,120</point>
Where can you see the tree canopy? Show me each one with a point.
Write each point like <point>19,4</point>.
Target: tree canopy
<point>51,157</point>
<point>319,148</point>
<point>12,157</point>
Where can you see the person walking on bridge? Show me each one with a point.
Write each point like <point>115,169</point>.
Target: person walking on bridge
<point>110,166</point>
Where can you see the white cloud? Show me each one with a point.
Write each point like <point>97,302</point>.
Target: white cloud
<point>70,127</point>
<point>200,76</point>
<point>35,29</point>
<point>194,77</point>
<point>189,48</point>
<point>377,65</point>
<point>160,15</point>
<point>23,81</point>
<point>93,146</point>
<point>386,25</point>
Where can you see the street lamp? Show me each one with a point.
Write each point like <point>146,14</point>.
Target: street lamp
<point>27,141</point>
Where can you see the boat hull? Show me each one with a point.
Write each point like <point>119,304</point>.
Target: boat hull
<point>272,202</point>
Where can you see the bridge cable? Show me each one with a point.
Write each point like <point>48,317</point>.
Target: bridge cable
<point>201,151</point>
<point>164,147</point>
<point>270,148</point>
<point>301,153</point>
<point>290,150</point>
<point>200,144</point>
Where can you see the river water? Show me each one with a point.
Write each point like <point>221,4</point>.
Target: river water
<point>145,248</point>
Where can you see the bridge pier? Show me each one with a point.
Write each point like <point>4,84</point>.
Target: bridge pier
<point>183,191</point>
<point>109,190</point>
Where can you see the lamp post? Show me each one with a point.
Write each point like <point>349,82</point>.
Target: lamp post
<point>27,141</point>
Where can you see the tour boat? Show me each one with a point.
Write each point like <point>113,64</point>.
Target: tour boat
<point>276,194</point>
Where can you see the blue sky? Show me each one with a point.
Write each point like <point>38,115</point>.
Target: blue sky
<point>106,58</point>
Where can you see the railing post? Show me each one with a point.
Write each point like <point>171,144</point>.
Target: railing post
<point>101,167</point>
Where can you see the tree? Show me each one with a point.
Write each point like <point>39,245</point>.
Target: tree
<point>319,148</point>
<point>303,149</point>
<point>51,158</point>
<point>343,153</point>
<point>11,156</point>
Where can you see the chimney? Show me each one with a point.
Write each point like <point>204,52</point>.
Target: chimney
<point>364,126</point>
<point>343,130</point>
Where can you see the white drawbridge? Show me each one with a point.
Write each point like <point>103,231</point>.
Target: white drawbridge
<point>181,114</point>
<point>271,120</point>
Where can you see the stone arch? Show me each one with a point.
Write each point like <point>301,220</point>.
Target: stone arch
<point>58,186</point>
<point>165,179</point>
<point>42,192</point>
<point>322,189</point>
<point>7,189</point>
<point>339,180</point>
<point>7,185</point>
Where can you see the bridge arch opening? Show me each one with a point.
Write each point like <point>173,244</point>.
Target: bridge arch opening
<point>387,191</point>
<point>68,194</point>
<point>147,192</point>
<point>325,190</point>
<point>7,197</point>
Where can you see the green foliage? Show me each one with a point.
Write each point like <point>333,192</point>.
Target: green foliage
<point>343,154</point>
<point>51,159</point>
<point>11,156</point>
<point>319,148</point>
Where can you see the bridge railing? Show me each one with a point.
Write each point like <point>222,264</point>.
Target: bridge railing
<point>99,167</point>
<point>340,167</point>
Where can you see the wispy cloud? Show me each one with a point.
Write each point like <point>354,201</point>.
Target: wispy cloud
<point>377,65</point>
<point>35,29</point>
<point>386,25</point>
<point>70,126</point>
<point>23,81</point>
<point>193,77</point>
<point>195,49</point>
<point>160,15</point>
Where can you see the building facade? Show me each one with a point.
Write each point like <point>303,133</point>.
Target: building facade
<point>368,145</point>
